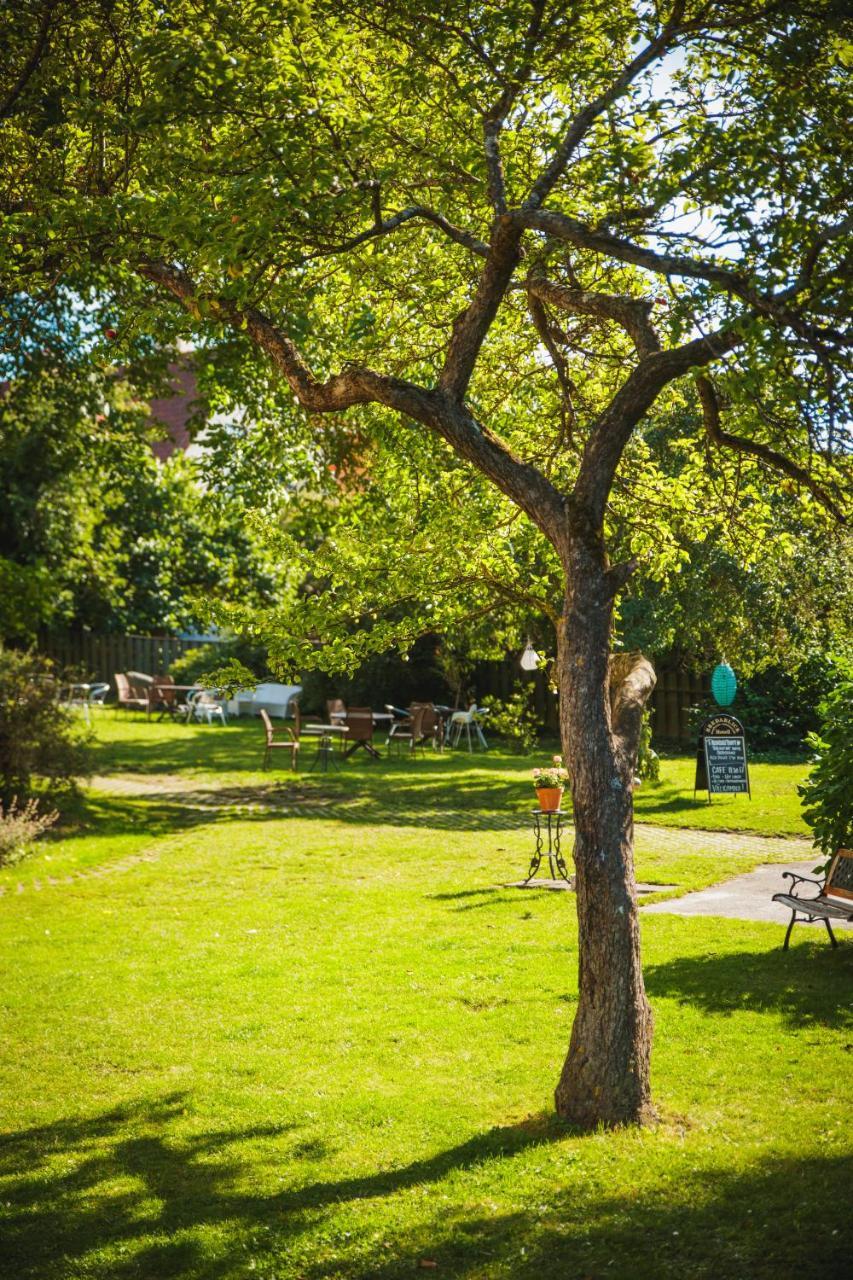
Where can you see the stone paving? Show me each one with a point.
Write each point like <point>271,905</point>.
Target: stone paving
<point>747,897</point>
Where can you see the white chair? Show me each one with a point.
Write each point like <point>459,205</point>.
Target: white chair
<point>75,697</point>
<point>98,694</point>
<point>463,722</point>
<point>205,707</point>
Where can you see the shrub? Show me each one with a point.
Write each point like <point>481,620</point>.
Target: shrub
<point>648,760</point>
<point>20,827</point>
<point>194,665</point>
<point>827,793</point>
<point>38,738</point>
<point>515,720</point>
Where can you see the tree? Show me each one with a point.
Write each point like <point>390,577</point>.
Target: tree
<point>94,531</point>
<point>429,210</point>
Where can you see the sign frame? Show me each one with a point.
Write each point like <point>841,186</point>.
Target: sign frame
<point>720,725</point>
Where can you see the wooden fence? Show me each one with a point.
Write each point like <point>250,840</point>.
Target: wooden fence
<point>99,657</point>
<point>675,692</point>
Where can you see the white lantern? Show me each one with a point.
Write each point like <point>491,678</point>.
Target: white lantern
<point>530,658</point>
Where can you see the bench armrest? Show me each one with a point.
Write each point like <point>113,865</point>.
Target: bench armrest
<point>798,879</point>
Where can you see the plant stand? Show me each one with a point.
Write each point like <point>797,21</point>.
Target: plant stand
<point>548,831</point>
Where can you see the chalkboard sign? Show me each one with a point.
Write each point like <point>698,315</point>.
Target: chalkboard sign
<point>721,765</point>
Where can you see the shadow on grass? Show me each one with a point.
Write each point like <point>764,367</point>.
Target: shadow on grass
<point>60,1207</point>
<point>130,1195</point>
<point>809,985</point>
<point>429,805</point>
<point>782,1218</point>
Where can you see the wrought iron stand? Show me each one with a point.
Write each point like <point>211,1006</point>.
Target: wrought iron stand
<point>548,830</point>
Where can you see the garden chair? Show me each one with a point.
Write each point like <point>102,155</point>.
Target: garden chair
<point>75,697</point>
<point>273,743</point>
<point>463,722</point>
<point>833,900</point>
<point>359,722</point>
<point>98,694</point>
<point>409,731</point>
<point>163,696</point>
<point>128,696</point>
<point>206,707</point>
<point>433,725</point>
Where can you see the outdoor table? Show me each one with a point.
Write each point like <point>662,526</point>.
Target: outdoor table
<point>548,831</point>
<point>325,750</point>
<point>339,718</point>
<point>156,700</point>
<point>77,697</point>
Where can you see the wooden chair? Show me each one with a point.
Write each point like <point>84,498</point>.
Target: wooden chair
<point>128,697</point>
<point>336,710</point>
<point>163,697</point>
<point>409,731</point>
<point>833,901</point>
<point>273,743</point>
<point>359,722</point>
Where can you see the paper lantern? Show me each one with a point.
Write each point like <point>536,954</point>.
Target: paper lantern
<point>724,685</point>
<point>530,658</point>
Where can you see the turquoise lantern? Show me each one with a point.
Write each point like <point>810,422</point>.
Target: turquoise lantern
<point>724,685</point>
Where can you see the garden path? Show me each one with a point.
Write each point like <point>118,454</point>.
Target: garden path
<point>210,801</point>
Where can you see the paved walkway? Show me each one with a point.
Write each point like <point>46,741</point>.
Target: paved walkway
<point>747,897</point>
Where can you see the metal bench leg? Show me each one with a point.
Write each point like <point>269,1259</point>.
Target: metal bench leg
<point>790,927</point>
<point>832,936</point>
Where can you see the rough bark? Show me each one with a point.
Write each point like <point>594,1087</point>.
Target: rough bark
<point>605,1078</point>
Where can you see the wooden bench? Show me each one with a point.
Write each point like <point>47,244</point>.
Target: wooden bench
<point>833,901</point>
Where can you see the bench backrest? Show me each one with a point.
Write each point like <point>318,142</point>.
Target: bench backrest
<point>839,880</point>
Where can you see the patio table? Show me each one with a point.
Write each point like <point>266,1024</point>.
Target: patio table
<point>325,734</point>
<point>76,697</point>
<point>156,700</point>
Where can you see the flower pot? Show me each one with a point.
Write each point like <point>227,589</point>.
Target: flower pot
<point>549,798</point>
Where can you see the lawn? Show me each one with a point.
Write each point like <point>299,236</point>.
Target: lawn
<point>257,1027</point>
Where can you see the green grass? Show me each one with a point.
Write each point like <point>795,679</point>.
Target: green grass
<point>319,1040</point>
<point>497,781</point>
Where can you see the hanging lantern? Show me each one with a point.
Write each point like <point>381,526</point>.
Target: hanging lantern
<point>724,685</point>
<point>530,658</point>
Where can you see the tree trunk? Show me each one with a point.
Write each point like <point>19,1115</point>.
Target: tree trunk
<point>605,1078</point>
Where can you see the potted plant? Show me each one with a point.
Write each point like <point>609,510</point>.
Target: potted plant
<point>550,784</point>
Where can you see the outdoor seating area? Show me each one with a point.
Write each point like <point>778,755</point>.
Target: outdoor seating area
<point>402,731</point>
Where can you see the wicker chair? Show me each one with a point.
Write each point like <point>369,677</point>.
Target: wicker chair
<point>129,697</point>
<point>409,731</point>
<point>278,743</point>
<point>359,723</point>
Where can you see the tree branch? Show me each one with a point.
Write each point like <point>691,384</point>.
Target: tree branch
<point>612,429</point>
<point>633,314</point>
<point>473,323</point>
<point>582,122</point>
<point>383,227</point>
<point>631,679</point>
<point>494,119</point>
<point>443,414</point>
<point>31,65</point>
<point>724,439</point>
<point>562,227</point>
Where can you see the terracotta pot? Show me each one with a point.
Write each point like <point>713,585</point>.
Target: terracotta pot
<point>549,798</point>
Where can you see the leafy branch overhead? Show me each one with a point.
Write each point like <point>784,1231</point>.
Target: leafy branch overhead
<point>266,176</point>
